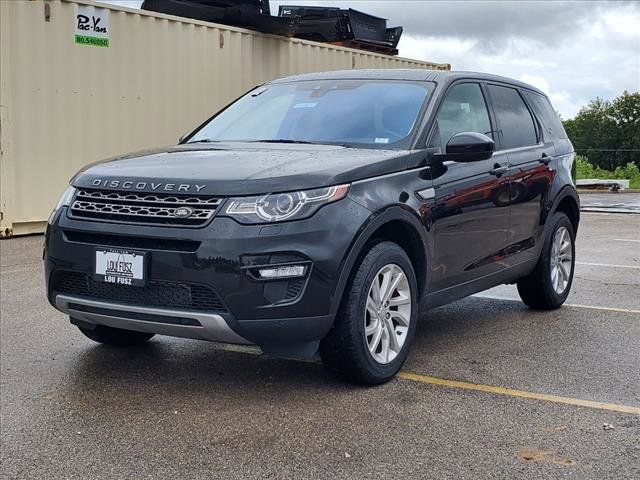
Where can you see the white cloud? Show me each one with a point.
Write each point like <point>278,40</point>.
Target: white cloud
<point>536,81</point>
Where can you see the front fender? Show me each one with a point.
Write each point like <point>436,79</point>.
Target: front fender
<point>361,242</point>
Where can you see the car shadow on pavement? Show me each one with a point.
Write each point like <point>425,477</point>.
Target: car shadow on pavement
<point>183,371</point>
<point>470,317</point>
<point>188,371</point>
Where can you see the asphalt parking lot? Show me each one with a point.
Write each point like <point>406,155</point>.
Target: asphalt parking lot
<point>491,390</point>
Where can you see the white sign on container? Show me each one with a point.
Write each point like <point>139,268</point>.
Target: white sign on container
<point>92,26</point>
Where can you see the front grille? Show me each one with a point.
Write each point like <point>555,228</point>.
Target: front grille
<point>144,208</point>
<point>159,294</point>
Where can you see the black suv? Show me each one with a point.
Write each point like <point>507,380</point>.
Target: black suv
<point>318,212</point>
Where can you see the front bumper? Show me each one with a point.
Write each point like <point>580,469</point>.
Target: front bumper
<point>176,323</point>
<point>274,314</point>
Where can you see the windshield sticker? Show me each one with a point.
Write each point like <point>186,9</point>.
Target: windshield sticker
<point>92,26</point>
<point>305,105</point>
<point>382,140</point>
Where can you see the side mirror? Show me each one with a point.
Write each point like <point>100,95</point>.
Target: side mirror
<point>181,139</point>
<point>467,147</point>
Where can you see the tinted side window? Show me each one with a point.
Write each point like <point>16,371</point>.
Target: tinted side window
<point>462,110</point>
<point>514,118</point>
<point>547,115</point>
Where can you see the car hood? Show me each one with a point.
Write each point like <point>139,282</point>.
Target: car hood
<point>239,168</point>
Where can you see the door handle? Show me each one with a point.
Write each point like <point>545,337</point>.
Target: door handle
<point>545,159</point>
<point>499,170</point>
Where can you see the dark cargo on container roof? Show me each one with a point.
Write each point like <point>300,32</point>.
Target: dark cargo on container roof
<point>345,27</point>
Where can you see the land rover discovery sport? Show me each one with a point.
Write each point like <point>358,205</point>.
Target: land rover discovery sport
<point>319,213</point>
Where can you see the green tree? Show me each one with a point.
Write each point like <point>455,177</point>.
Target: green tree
<point>608,133</point>
<point>625,111</point>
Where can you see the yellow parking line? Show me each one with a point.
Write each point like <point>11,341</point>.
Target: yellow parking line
<point>414,377</point>
<point>442,382</point>
<point>609,309</point>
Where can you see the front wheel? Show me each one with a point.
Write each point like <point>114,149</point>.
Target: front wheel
<point>547,287</point>
<point>376,323</point>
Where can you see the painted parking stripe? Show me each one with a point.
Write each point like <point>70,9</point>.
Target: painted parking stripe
<point>605,213</point>
<point>415,377</point>
<point>625,240</point>
<point>608,265</point>
<point>571,305</point>
<point>609,210</point>
<point>443,382</point>
<point>607,309</point>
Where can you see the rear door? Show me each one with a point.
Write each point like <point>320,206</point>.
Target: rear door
<point>471,204</point>
<point>521,139</point>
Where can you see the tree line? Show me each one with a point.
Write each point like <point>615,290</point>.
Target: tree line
<point>607,133</point>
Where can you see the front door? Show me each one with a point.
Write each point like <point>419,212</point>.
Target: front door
<point>471,205</point>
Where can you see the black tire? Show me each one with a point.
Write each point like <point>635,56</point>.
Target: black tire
<point>344,350</point>
<point>115,337</point>
<point>536,289</point>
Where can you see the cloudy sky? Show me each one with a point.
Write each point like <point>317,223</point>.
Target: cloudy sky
<point>574,51</point>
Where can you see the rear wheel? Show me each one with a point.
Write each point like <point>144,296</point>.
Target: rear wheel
<point>116,337</point>
<point>376,323</point>
<point>548,286</point>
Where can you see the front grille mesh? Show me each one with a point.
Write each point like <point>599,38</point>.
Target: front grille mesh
<point>159,294</point>
<point>144,208</point>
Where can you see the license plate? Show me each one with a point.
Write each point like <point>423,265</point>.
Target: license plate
<point>122,267</point>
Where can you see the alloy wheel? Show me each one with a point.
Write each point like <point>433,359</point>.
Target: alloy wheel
<point>387,314</point>
<point>561,260</point>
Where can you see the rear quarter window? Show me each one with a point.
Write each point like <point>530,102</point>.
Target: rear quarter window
<point>514,118</point>
<point>546,114</point>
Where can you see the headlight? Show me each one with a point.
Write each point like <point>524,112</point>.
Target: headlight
<point>278,207</point>
<point>64,201</point>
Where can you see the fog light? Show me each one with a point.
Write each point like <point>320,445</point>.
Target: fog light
<point>284,271</point>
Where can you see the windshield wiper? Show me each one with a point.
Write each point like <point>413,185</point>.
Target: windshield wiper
<point>204,140</point>
<point>284,140</point>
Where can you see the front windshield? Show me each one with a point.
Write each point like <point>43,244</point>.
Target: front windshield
<point>362,112</point>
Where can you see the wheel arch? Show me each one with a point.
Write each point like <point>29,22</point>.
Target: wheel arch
<point>567,202</point>
<point>396,224</point>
